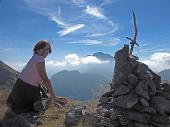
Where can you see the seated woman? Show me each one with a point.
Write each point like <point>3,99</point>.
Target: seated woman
<point>28,85</point>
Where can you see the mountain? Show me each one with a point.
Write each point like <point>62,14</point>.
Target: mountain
<point>76,85</point>
<point>102,56</point>
<point>8,76</point>
<point>165,74</point>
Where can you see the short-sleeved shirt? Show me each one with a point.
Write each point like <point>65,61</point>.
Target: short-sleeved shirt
<point>30,72</point>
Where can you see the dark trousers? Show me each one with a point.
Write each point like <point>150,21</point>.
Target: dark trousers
<point>22,97</point>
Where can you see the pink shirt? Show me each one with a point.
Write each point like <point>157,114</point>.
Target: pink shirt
<point>30,73</point>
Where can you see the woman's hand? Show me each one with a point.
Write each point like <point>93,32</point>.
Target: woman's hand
<point>61,100</point>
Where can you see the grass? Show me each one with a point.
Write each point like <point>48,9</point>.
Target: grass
<point>53,116</point>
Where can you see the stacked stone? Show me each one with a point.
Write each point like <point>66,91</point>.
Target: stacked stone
<point>137,97</point>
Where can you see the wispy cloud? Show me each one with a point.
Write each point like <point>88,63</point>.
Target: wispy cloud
<point>57,20</point>
<point>158,61</point>
<point>86,42</point>
<point>79,2</point>
<point>70,18</point>
<point>7,49</point>
<point>70,29</point>
<point>94,11</point>
<point>112,42</point>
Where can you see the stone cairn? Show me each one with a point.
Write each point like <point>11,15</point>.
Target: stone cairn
<point>137,97</point>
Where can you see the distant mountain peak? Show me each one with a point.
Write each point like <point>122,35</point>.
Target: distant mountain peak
<point>103,56</point>
<point>165,74</point>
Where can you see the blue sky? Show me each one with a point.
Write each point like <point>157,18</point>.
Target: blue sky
<point>78,28</point>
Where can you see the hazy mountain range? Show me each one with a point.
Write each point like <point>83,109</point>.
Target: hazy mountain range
<point>165,74</point>
<point>74,84</point>
<point>8,76</point>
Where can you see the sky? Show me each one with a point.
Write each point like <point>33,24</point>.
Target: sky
<point>78,28</point>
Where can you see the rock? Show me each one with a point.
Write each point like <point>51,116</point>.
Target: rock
<point>138,124</point>
<point>141,108</point>
<point>134,62</point>
<point>122,66</point>
<point>115,113</point>
<point>144,102</point>
<point>126,101</point>
<point>156,79</point>
<point>108,94</point>
<point>41,105</point>
<point>107,106</point>
<point>104,100</point>
<point>11,119</point>
<point>161,104</point>
<point>155,124</point>
<point>121,90</point>
<point>139,117</point>
<point>141,92</point>
<point>165,85</point>
<point>142,69</point>
<point>103,112</point>
<point>132,79</point>
<point>74,115</point>
<point>162,119</point>
<point>152,87</point>
<point>123,119</point>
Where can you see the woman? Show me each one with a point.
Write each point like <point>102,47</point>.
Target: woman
<point>27,88</point>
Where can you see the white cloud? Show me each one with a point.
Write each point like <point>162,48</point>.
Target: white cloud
<point>86,42</point>
<point>58,21</point>
<point>78,2</point>
<point>70,29</point>
<point>94,11</point>
<point>57,63</point>
<point>72,59</point>
<point>91,59</point>
<point>75,60</point>
<point>158,61</point>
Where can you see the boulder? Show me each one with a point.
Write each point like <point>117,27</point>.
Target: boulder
<point>126,101</point>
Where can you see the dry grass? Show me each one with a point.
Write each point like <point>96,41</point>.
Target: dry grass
<point>54,116</point>
<point>3,96</point>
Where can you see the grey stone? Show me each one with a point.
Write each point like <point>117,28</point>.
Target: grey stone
<point>126,101</point>
<point>165,85</point>
<point>152,87</point>
<point>144,102</point>
<point>108,94</point>
<point>74,115</point>
<point>132,79</point>
<point>121,90</point>
<point>141,108</point>
<point>162,119</point>
<point>104,100</point>
<point>103,112</point>
<point>141,92</point>
<point>139,117</point>
<point>11,119</point>
<point>124,119</point>
<point>161,104</point>
<point>122,66</point>
<point>142,68</point>
<point>138,124</point>
<point>106,106</point>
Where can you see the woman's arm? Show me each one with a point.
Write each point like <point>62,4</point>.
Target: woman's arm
<point>46,81</point>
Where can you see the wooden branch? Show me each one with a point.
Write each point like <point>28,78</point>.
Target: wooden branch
<point>133,41</point>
